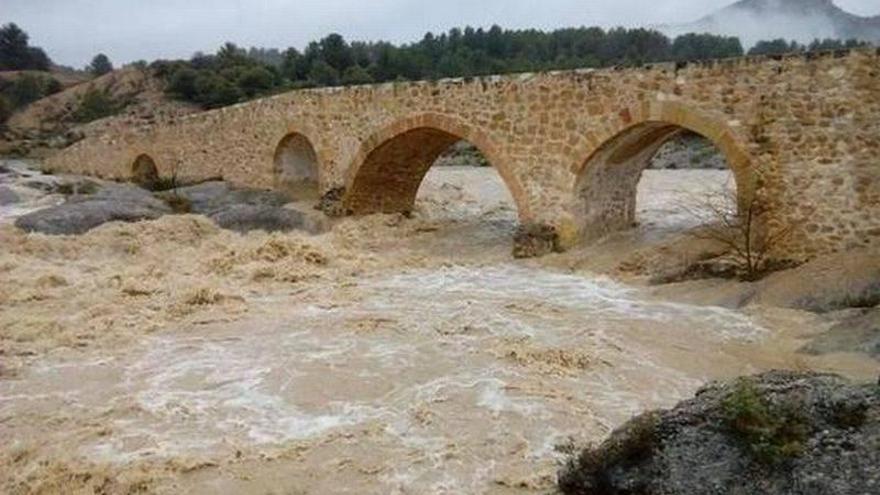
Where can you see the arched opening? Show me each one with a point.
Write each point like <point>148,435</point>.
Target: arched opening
<point>441,173</point>
<point>296,167</point>
<point>144,172</point>
<point>657,174</point>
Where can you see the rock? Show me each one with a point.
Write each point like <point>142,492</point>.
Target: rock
<point>332,205</point>
<point>858,333</point>
<point>242,209</point>
<point>247,217</point>
<point>210,197</point>
<point>845,280</point>
<point>118,202</point>
<point>8,196</point>
<point>780,433</point>
<point>535,240</point>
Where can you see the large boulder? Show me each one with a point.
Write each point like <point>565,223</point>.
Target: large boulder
<point>781,433</point>
<point>242,209</point>
<point>116,202</point>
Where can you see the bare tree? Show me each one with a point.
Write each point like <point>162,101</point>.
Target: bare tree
<point>743,228</point>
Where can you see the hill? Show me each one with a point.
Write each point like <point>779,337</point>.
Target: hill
<point>137,96</point>
<point>799,20</point>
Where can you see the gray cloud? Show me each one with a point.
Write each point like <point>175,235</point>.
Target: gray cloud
<point>74,30</point>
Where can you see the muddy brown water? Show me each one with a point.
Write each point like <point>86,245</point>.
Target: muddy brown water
<point>420,360</point>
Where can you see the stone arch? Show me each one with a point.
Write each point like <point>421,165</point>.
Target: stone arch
<point>144,171</point>
<point>296,166</point>
<point>387,170</point>
<point>607,175</point>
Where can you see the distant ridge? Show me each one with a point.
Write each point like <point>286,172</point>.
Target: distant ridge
<point>800,20</point>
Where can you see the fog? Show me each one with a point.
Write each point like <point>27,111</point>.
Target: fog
<point>72,31</point>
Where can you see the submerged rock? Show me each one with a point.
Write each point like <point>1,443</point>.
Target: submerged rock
<point>8,196</point>
<point>117,202</point>
<point>209,198</point>
<point>858,333</point>
<point>247,217</point>
<point>781,433</point>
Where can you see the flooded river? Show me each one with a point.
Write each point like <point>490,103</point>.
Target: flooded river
<point>388,356</point>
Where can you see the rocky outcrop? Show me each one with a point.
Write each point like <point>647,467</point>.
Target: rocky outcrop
<point>781,433</point>
<point>118,202</point>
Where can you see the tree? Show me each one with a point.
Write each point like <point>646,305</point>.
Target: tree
<point>356,75</point>
<point>100,65</point>
<point>745,231</point>
<point>775,47</point>
<point>256,80</point>
<point>336,52</point>
<point>323,74</point>
<point>183,83</point>
<point>230,55</point>
<point>15,54</point>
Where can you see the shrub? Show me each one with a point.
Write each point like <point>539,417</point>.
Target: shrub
<point>26,89</point>
<point>771,433</point>
<point>183,83</point>
<point>356,75</point>
<point>95,104</point>
<point>591,471</point>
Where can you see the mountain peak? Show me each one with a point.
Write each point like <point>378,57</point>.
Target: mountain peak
<point>800,20</point>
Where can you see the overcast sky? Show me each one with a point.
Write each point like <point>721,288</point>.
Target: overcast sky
<point>72,31</point>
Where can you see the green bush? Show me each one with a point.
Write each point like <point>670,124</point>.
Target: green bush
<point>95,104</point>
<point>356,75</point>
<point>256,80</point>
<point>183,83</point>
<point>772,433</point>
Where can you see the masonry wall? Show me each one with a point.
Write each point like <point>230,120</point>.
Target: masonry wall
<point>802,132</point>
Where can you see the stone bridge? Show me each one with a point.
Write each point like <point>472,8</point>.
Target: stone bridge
<point>801,134</point>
